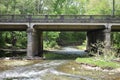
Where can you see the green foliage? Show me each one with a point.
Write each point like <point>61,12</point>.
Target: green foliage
<point>71,37</point>
<point>49,39</point>
<point>99,7</point>
<point>8,37</point>
<point>21,39</point>
<point>1,40</point>
<point>100,51</point>
<point>116,39</point>
<point>68,7</point>
<point>58,7</point>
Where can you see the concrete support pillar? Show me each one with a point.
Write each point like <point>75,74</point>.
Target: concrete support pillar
<point>103,35</point>
<point>34,45</point>
<point>107,37</point>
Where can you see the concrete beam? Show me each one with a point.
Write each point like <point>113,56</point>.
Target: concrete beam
<point>68,27</point>
<point>13,26</point>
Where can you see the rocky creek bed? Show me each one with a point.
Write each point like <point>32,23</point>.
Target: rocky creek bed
<point>52,70</point>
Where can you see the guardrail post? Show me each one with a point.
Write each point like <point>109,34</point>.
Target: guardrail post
<point>12,17</point>
<point>46,17</point>
<point>91,18</point>
<point>61,18</point>
<point>29,18</point>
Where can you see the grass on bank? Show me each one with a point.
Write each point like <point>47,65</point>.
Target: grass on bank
<point>99,63</point>
<point>92,61</point>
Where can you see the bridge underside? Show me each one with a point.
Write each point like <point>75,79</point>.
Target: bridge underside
<point>58,26</point>
<point>13,27</point>
<point>68,27</point>
<point>115,28</point>
<point>95,32</point>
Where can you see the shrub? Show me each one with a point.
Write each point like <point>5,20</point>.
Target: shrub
<point>100,52</point>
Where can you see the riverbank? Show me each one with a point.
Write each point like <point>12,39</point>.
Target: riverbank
<point>75,68</point>
<point>54,70</point>
<point>68,67</point>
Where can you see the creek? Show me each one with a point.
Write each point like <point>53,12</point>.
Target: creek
<point>46,70</point>
<point>56,70</point>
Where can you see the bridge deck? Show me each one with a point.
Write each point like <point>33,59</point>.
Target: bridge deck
<point>59,22</point>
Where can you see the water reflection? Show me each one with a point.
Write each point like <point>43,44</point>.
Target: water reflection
<point>70,50</point>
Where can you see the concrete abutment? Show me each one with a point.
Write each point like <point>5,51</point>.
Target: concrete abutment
<point>99,36</point>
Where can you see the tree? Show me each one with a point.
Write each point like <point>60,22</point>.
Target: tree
<point>68,7</point>
<point>99,7</point>
<point>49,39</point>
<point>113,10</point>
<point>71,38</point>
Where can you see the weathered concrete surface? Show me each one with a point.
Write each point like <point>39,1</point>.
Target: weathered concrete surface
<point>30,51</point>
<point>103,36</point>
<point>34,45</point>
<point>68,26</point>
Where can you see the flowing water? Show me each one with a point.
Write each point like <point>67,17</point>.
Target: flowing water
<point>70,50</point>
<point>46,70</point>
<point>56,70</point>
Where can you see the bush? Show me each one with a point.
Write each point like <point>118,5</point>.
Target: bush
<point>49,39</point>
<point>101,52</point>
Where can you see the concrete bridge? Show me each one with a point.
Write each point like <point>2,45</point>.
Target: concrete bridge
<point>98,27</point>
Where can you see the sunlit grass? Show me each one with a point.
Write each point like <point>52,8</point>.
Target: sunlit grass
<point>98,62</point>
<point>83,46</point>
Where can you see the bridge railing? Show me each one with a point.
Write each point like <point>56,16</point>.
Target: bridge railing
<point>60,18</point>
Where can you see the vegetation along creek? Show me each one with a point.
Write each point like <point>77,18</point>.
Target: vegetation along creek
<point>56,66</point>
<point>72,34</point>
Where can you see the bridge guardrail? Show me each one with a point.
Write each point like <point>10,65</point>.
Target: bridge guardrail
<point>60,18</point>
